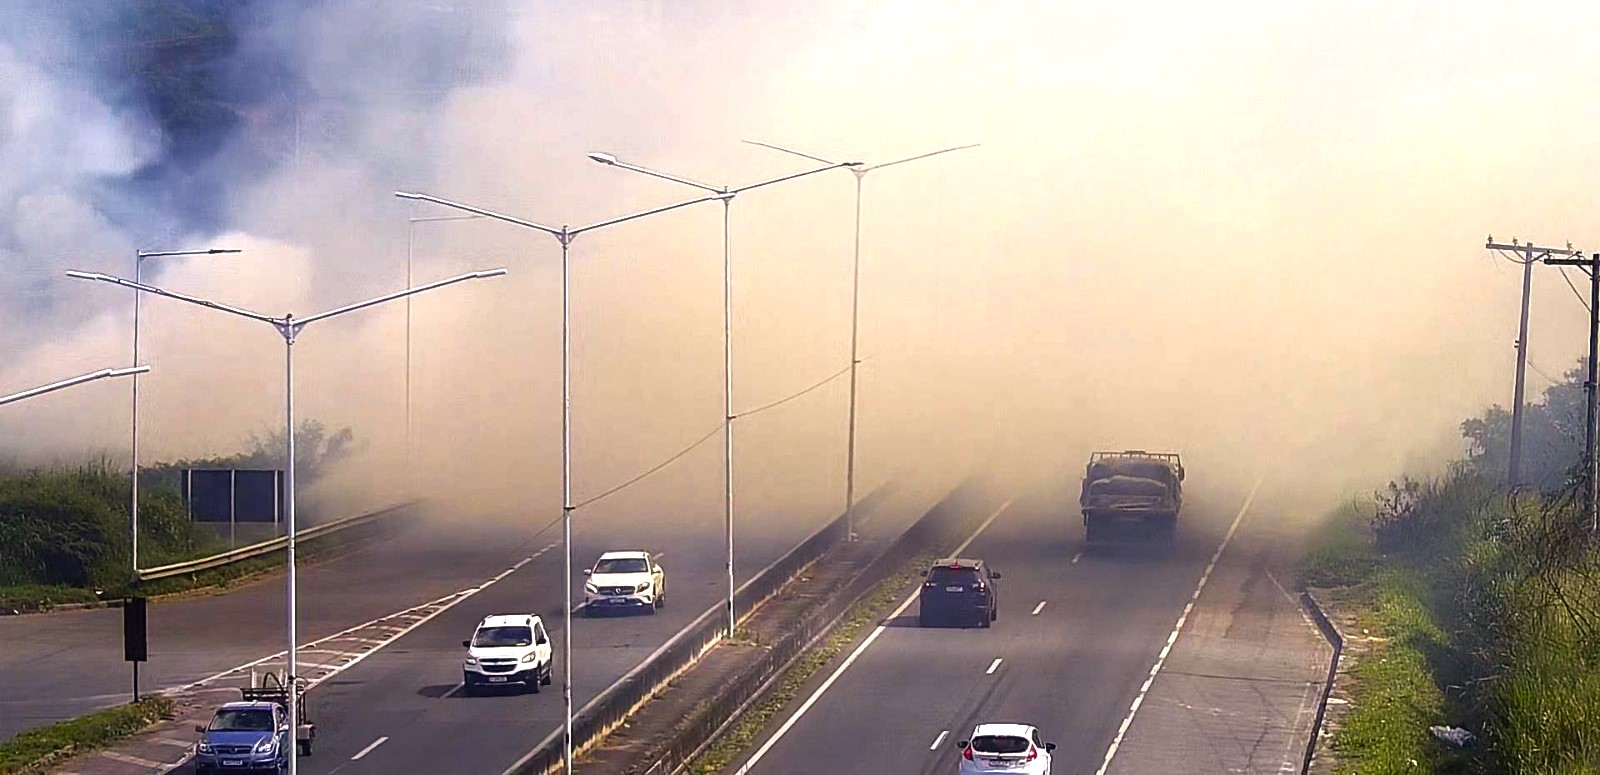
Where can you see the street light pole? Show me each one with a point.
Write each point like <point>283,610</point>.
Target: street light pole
<point>66,383</point>
<point>855,317</point>
<point>139,257</point>
<point>411,229</point>
<point>289,327</point>
<point>565,236</point>
<point>728,193</point>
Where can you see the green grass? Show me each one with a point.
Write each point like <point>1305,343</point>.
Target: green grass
<point>1341,553</point>
<point>1396,694</point>
<point>871,608</point>
<point>26,598</point>
<point>38,748</point>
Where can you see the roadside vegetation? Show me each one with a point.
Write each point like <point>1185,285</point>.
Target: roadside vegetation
<point>1482,606</point>
<point>37,749</point>
<point>64,529</point>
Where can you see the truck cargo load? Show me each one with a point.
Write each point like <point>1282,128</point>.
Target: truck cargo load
<point>1133,494</point>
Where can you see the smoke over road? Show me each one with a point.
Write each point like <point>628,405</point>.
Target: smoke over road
<point>1252,236</point>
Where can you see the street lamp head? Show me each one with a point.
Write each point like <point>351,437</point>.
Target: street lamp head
<point>604,158</point>
<point>852,164</point>
<point>485,273</point>
<point>224,250</point>
<point>407,195</point>
<point>73,273</point>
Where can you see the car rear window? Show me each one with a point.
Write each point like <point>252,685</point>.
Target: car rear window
<point>1000,744</point>
<point>944,574</point>
<point>490,637</point>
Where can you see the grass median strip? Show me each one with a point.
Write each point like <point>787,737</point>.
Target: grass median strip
<point>37,749</point>
<point>743,734</point>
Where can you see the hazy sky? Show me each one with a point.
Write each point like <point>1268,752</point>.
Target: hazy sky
<point>1251,231</point>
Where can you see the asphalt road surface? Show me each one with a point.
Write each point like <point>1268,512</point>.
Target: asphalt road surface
<point>1077,634</point>
<point>61,665</point>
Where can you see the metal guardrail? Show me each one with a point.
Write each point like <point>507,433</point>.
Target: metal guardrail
<point>268,546</point>
<point>613,706</point>
<point>1336,640</point>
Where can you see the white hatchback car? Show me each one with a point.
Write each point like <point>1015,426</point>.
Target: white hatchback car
<point>1008,748</point>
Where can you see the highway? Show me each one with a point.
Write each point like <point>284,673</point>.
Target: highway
<point>63,664</point>
<point>60,665</point>
<point>1076,637</point>
<point>396,706</point>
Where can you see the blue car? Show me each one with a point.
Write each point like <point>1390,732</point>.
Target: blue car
<point>244,737</point>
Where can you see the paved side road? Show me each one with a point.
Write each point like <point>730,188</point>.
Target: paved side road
<point>1238,691</point>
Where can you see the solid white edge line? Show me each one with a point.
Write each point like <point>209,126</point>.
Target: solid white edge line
<point>938,740</point>
<point>1037,608</point>
<point>1161,658</point>
<point>993,666</point>
<point>368,749</point>
<point>805,706</point>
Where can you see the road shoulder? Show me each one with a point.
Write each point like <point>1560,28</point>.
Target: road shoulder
<point>1239,691</point>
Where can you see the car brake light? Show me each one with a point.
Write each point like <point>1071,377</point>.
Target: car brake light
<point>1033,753</point>
<point>966,753</point>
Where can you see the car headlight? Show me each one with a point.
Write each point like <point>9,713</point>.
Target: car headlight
<point>204,747</point>
<point>645,587</point>
<point>472,661</point>
<point>534,657</point>
<point>266,745</point>
<point>591,589</point>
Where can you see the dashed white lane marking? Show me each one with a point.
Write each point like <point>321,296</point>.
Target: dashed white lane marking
<point>850,660</point>
<point>1161,659</point>
<point>134,760</point>
<point>369,748</point>
<point>1037,608</point>
<point>993,666</point>
<point>373,635</point>
<point>1077,557</point>
<point>938,740</point>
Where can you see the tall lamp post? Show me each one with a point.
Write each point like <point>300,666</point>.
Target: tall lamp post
<point>289,327</point>
<point>411,230</point>
<point>727,194</point>
<point>139,257</point>
<point>78,380</point>
<point>564,235</point>
<point>855,316</point>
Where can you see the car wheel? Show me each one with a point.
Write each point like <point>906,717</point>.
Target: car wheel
<point>468,688</point>
<point>534,684</point>
<point>305,747</point>
<point>994,613</point>
<point>984,619</point>
<point>549,675</point>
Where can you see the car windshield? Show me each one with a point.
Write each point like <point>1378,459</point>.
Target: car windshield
<point>621,565</point>
<point>944,574</point>
<point>489,637</point>
<point>1000,744</point>
<point>250,720</point>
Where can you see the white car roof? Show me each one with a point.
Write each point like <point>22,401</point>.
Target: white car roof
<point>1003,730</point>
<point>624,555</point>
<point>509,620</point>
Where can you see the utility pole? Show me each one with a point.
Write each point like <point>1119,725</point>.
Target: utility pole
<point>1591,466</point>
<point>1529,253</point>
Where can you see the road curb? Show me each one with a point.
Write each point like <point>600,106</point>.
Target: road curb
<point>1330,631</point>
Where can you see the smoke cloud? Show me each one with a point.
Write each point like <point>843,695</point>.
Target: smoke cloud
<point>1251,234</point>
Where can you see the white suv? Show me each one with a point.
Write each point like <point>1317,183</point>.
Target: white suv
<point>507,649</point>
<point>622,580</point>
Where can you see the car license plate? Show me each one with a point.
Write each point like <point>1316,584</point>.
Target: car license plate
<point>497,679</point>
<point>955,589</point>
<point>233,762</point>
